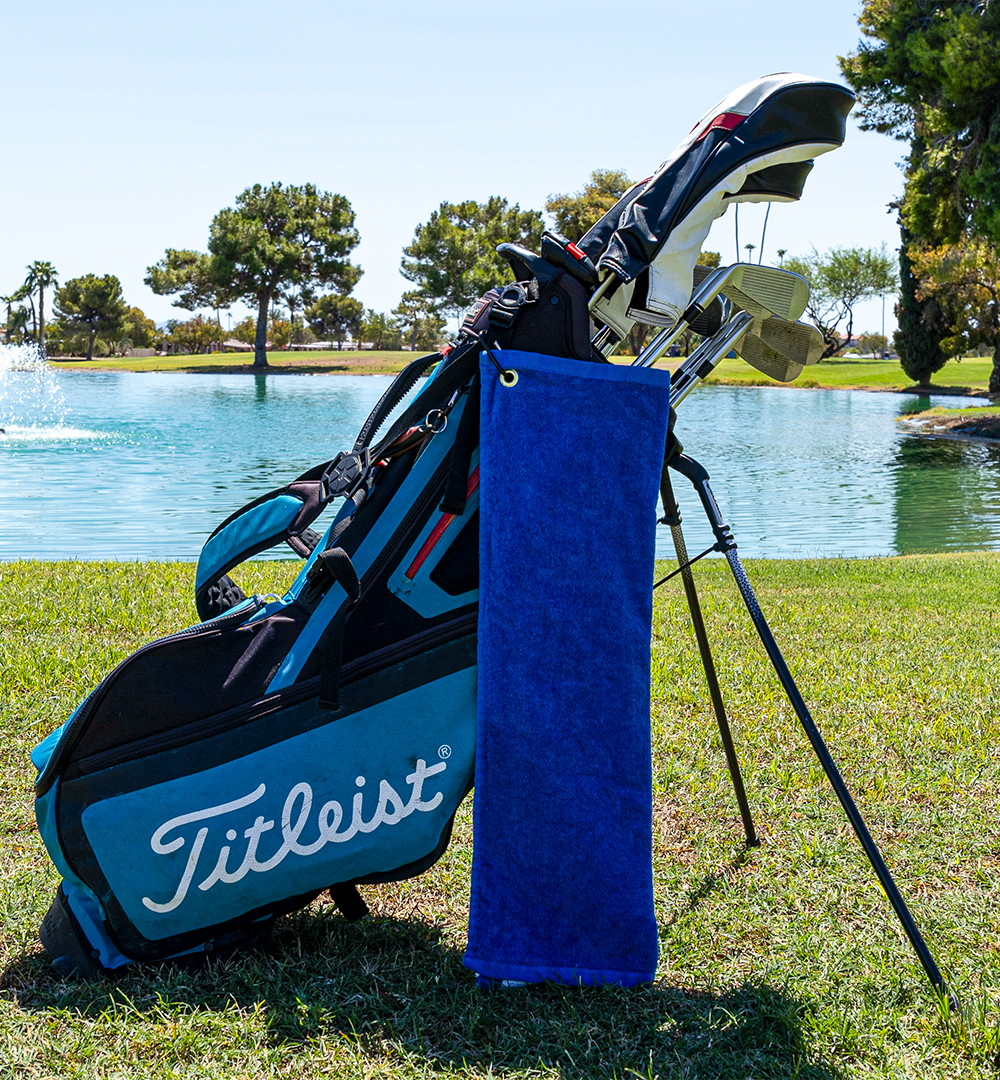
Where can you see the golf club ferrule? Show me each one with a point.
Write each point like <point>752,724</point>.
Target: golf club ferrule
<point>705,370</point>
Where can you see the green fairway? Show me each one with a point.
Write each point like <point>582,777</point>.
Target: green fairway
<point>291,362</point>
<point>782,961</point>
<point>957,376</point>
<point>964,376</point>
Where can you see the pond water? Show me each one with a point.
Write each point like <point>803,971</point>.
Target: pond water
<point>144,466</point>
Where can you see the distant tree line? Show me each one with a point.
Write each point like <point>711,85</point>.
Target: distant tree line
<point>927,73</point>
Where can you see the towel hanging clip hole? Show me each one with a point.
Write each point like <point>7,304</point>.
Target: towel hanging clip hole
<point>509,377</point>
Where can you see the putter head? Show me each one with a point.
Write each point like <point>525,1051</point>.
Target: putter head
<point>761,356</point>
<point>767,290</point>
<point>794,340</point>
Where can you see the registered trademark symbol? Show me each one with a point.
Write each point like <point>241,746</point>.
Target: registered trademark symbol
<point>444,751</point>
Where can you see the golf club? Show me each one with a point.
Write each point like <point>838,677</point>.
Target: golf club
<point>796,341</point>
<point>761,356</point>
<point>701,362</point>
<point>768,290</point>
<point>617,324</point>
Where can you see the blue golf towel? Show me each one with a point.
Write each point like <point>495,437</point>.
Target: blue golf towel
<point>570,461</point>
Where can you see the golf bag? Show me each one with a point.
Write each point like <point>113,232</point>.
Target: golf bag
<point>231,772</point>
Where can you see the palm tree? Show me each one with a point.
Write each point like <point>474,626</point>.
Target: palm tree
<point>15,298</point>
<point>40,276</point>
<point>748,248</point>
<point>9,301</point>
<point>17,324</point>
<point>782,252</point>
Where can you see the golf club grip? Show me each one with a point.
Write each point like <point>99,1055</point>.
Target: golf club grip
<point>833,774</point>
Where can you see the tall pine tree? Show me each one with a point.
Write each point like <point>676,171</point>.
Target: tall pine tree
<point>929,74</point>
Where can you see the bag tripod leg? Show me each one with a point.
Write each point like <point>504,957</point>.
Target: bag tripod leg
<point>672,517</point>
<point>700,479</point>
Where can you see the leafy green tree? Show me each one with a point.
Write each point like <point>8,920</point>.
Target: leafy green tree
<point>419,321</point>
<point>279,331</point>
<point>921,327</point>
<point>139,329</point>
<point>452,258</point>
<point>197,335</point>
<point>965,279</point>
<point>838,281</point>
<point>930,75</point>
<point>279,236</point>
<point>575,214</point>
<point>300,296</point>
<point>17,325</point>
<point>381,330</point>
<point>301,332</point>
<point>875,344</point>
<point>335,316</point>
<point>91,305</point>
<point>245,330</point>
<point>41,276</point>
<point>188,273</point>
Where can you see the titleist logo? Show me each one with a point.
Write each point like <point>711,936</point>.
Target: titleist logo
<point>298,805</point>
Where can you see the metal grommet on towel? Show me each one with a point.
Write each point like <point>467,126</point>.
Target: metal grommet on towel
<point>509,377</point>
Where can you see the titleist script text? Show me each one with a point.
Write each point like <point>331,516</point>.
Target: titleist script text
<point>390,811</point>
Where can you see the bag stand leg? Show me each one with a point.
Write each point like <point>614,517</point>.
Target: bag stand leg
<point>727,545</point>
<point>672,517</point>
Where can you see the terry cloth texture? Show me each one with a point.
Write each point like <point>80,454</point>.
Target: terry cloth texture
<point>570,461</point>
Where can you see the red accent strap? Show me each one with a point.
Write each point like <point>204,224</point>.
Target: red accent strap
<point>725,121</point>
<point>438,531</point>
<point>575,251</point>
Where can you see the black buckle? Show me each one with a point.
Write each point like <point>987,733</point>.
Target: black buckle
<point>511,299</point>
<point>346,473</point>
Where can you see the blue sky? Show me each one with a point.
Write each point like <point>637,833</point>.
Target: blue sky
<point>129,125</point>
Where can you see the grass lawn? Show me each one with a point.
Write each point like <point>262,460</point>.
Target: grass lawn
<point>321,362</point>
<point>841,374</point>
<point>784,961</point>
<point>957,376</point>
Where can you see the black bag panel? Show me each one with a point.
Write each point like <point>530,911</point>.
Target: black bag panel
<point>222,741</point>
<point>458,570</point>
<point>182,679</point>
<point>557,323</point>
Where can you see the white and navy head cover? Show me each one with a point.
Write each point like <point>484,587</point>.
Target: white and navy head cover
<point>755,145</point>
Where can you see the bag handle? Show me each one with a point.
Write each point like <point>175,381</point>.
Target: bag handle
<point>281,516</point>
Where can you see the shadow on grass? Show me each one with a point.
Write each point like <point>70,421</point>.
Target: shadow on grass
<point>395,989</point>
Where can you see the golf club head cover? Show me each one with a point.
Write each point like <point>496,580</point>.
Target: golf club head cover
<point>755,145</point>
<point>570,460</point>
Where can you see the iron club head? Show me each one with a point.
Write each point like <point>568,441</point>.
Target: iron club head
<point>794,340</point>
<point>768,290</point>
<point>759,355</point>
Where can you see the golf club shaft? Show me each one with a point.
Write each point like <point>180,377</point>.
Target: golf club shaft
<point>700,479</point>
<point>702,361</point>
<point>606,340</point>
<point>659,345</point>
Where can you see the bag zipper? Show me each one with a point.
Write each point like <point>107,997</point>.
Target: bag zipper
<point>71,735</point>
<point>293,695</point>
